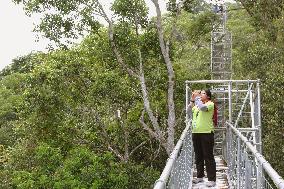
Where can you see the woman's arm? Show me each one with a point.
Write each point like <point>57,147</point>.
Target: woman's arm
<point>200,104</point>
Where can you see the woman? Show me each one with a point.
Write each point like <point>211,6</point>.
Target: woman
<point>203,136</point>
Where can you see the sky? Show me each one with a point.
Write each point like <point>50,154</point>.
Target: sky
<point>16,36</point>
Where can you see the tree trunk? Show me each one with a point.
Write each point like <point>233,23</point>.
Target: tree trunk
<point>171,80</point>
<point>156,133</point>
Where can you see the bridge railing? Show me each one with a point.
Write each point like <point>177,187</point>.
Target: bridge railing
<point>240,140</point>
<point>247,167</point>
<point>244,163</point>
<point>179,167</point>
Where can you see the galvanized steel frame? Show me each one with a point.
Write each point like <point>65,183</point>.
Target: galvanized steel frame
<point>242,149</point>
<point>248,162</point>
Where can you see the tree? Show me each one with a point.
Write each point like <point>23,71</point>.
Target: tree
<point>23,64</point>
<point>11,100</point>
<point>71,96</point>
<point>70,18</point>
<point>68,108</point>
<point>263,13</point>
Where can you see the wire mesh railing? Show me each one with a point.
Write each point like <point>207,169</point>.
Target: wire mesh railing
<point>178,171</point>
<point>247,167</point>
<point>239,138</point>
<point>244,164</point>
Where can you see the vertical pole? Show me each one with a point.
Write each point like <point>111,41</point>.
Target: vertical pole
<point>251,108</point>
<point>239,163</point>
<point>211,65</point>
<point>230,101</point>
<point>260,180</point>
<point>229,150</point>
<point>252,115</point>
<point>186,103</point>
<point>245,157</point>
<point>259,117</point>
<point>230,118</point>
<point>231,54</point>
<point>247,172</point>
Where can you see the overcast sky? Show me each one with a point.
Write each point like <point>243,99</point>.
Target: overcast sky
<point>16,36</point>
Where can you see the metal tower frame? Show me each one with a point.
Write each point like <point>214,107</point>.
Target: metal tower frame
<point>221,45</point>
<point>240,139</point>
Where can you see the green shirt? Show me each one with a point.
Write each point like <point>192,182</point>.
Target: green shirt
<point>202,120</point>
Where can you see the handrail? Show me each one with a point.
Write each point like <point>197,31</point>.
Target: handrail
<point>276,178</point>
<point>221,81</point>
<point>162,181</point>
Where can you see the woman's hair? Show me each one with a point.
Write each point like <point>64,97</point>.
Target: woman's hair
<point>208,93</point>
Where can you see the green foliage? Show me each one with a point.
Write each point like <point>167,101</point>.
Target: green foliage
<point>63,19</point>
<point>22,64</point>
<point>263,14</point>
<point>272,117</point>
<point>57,123</point>
<point>24,179</point>
<point>200,26</point>
<point>192,52</point>
<point>11,100</point>
<point>81,168</point>
<point>195,6</point>
<point>127,42</point>
<point>133,11</point>
<point>58,111</point>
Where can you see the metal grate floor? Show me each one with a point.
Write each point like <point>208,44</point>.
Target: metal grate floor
<point>221,176</point>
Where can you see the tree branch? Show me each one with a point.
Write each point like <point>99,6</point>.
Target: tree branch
<point>171,79</point>
<point>112,42</point>
<point>126,137</point>
<point>145,95</point>
<point>157,133</point>
<point>156,153</point>
<point>248,5</point>
<point>116,153</point>
<point>107,139</point>
<point>147,128</point>
<point>159,137</point>
<point>146,102</point>
<point>137,147</point>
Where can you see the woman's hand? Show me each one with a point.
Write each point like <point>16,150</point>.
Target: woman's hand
<point>195,94</point>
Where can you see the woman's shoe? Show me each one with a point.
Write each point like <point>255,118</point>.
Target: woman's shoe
<point>210,184</point>
<point>197,180</point>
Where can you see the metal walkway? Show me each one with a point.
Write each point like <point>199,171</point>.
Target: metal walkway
<point>238,145</point>
<point>221,176</point>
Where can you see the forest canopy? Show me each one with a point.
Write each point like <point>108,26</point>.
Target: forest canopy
<point>107,112</point>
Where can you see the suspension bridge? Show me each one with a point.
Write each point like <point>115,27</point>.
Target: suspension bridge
<point>238,144</point>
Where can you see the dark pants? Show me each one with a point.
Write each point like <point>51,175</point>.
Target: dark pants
<point>203,144</point>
